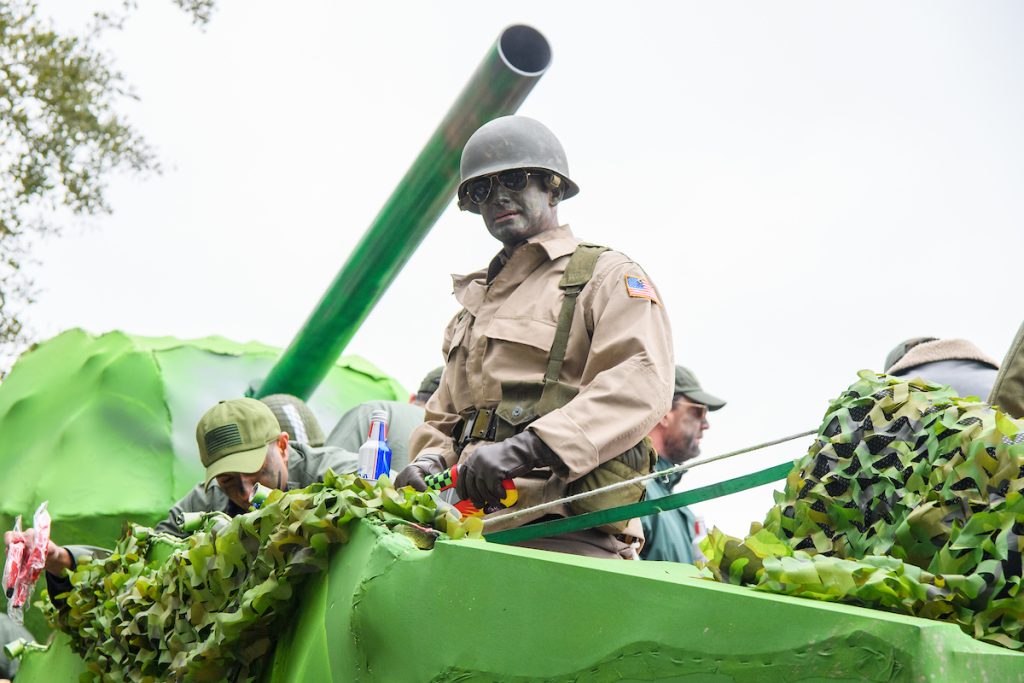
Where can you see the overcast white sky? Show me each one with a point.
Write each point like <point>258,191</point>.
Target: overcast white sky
<point>806,183</point>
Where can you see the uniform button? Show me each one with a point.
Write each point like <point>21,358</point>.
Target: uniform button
<point>517,411</point>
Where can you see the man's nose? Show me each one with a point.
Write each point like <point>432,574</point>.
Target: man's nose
<point>246,487</point>
<point>501,194</point>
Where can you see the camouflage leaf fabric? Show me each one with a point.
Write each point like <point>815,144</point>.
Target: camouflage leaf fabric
<point>909,500</point>
<point>205,608</point>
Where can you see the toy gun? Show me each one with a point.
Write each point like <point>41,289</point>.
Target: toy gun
<point>443,481</point>
<point>26,559</point>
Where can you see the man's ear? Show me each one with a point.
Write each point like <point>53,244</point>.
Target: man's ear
<point>282,444</point>
<point>553,184</point>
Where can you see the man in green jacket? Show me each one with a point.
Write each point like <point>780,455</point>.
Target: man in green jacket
<point>351,430</point>
<point>670,534</point>
<point>240,444</point>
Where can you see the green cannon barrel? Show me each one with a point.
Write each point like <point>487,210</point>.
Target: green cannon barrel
<point>497,88</point>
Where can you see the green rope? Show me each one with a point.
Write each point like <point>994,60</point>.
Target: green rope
<point>643,508</point>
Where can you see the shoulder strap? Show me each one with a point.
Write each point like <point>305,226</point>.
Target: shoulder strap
<point>576,276</point>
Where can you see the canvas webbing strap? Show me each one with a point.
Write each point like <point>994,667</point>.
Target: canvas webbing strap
<point>577,274</point>
<point>643,508</point>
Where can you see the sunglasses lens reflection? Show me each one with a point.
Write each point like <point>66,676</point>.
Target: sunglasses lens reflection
<point>479,190</point>
<point>514,180</point>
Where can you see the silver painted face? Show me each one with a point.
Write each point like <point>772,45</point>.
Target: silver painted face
<point>513,217</point>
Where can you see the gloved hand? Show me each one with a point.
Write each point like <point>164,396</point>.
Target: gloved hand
<point>413,473</point>
<point>481,474</point>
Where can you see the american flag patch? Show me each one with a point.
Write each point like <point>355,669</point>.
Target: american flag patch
<point>641,289</point>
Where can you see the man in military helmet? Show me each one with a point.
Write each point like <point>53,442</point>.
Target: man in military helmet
<point>560,361</point>
<point>670,535</point>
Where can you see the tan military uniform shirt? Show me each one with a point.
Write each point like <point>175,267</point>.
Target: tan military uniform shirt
<point>619,354</point>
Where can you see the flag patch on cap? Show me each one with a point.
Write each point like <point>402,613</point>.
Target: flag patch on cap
<point>222,437</point>
<point>641,289</point>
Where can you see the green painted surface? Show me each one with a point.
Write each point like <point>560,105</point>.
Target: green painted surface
<point>57,664</point>
<point>104,426</point>
<point>473,611</point>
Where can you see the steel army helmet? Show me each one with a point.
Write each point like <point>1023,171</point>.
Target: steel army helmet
<point>511,142</point>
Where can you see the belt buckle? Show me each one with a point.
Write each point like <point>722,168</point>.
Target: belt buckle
<point>482,424</point>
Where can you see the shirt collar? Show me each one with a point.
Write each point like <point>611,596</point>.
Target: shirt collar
<point>556,243</point>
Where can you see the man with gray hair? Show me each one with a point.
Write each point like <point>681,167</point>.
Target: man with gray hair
<point>670,535</point>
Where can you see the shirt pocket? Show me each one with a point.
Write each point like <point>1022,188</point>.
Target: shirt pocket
<point>520,346</point>
<point>458,336</point>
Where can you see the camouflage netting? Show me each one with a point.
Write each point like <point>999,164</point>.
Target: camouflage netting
<point>206,608</point>
<point>909,500</point>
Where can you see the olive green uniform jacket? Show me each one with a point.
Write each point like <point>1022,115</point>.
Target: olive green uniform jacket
<point>306,465</point>
<point>1008,392</point>
<point>619,354</point>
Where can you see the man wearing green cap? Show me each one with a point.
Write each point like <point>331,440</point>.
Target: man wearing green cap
<point>676,437</point>
<point>403,418</point>
<point>240,444</point>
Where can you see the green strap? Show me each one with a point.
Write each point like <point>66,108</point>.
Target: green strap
<point>643,508</point>
<point>577,274</point>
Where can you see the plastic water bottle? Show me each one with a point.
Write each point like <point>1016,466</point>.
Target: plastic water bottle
<point>375,454</point>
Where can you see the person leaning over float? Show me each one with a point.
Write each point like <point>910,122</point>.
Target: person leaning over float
<point>241,445</point>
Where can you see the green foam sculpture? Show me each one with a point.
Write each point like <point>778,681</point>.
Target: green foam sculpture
<point>103,426</point>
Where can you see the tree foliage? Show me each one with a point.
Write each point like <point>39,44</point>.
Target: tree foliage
<point>61,136</point>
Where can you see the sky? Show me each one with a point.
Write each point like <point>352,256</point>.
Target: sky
<point>807,184</point>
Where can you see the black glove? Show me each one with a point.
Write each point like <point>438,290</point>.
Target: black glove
<point>413,473</point>
<point>481,474</point>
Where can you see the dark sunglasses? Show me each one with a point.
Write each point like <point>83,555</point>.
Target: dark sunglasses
<point>698,410</point>
<point>479,189</point>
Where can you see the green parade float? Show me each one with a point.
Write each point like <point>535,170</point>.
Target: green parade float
<point>893,552</point>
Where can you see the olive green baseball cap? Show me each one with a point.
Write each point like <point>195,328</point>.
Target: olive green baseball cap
<point>431,382</point>
<point>233,437</point>
<point>688,386</point>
